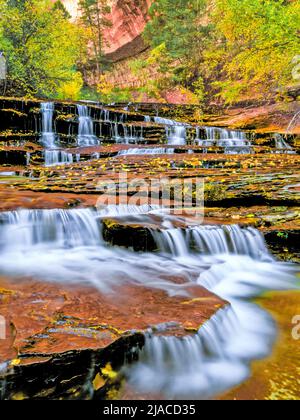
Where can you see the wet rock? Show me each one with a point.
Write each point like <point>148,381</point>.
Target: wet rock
<point>284,243</point>
<point>59,338</point>
<point>128,235</point>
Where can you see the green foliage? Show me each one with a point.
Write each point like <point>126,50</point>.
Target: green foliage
<point>117,95</point>
<point>257,40</point>
<point>41,46</point>
<point>210,50</point>
<point>177,37</point>
<point>283,235</point>
<point>58,5</point>
<point>89,94</point>
<point>231,49</point>
<point>111,94</point>
<point>94,20</point>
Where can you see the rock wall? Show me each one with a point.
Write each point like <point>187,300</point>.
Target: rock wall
<point>128,18</point>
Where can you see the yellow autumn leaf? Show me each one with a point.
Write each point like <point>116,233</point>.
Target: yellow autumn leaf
<point>15,362</point>
<point>98,382</point>
<point>109,372</point>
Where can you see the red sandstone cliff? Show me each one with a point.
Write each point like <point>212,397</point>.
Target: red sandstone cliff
<point>128,18</point>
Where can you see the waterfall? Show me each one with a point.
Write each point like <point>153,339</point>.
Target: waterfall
<point>48,136</point>
<point>106,115</point>
<point>175,131</point>
<point>28,157</point>
<point>86,135</point>
<point>23,229</point>
<point>281,144</point>
<point>132,133</point>
<point>232,140</point>
<point>114,128</point>
<point>95,155</point>
<point>145,151</point>
<point>126,210</point>
<point>147,118</point>
<point>66,246</point>
<point>57,157</point>
<point>165,121</point>
<point>176,135</point>
<point>218,356</point>
<point>211,240</point>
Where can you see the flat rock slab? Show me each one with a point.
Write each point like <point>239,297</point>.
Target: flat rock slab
<point>45,319</point>
<point>70,342</point>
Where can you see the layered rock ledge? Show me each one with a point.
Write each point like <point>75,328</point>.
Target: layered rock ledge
<point>58,338</point>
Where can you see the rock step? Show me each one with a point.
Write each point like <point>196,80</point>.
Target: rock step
<point>137,234</point>
<point>59,344</point>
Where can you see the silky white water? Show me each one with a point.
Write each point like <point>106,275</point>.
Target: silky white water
<point>219,356</point>
<point>48,135</point>
<point>212,240</point>
<point>127,134</point>
<point>57,157</point>
<point>126,210</point>
<point>86,136</point>
<point>234,142</point>
<point>146,151</point>
<point>66,246</point>
<point>175,131</point>
<point>282,146</point>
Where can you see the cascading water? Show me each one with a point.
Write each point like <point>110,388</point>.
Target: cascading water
<point>237,267</point>
<point>105,115</point>
<point>133,134</point>
<point>23,229</point>
<point>57,157</point>
<point>67,246</point>
<point>177,135</point>
<point>52,155</point>
<point>175,131</point>
<point>126,210</point>
<point>233,141</point>
<point>146,151</point>
<point>48,136</point>
<point>130,133</point>
<point>211,240</point>
<point>86,136</point>
<point>282,145</point>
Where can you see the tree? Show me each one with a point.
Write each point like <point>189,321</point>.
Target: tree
<point>179,30</point>
<point>58,5</point>
<point>257,41</point>
<point>228,49</point>
<point>41,45</point>
<point>95,21</point>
